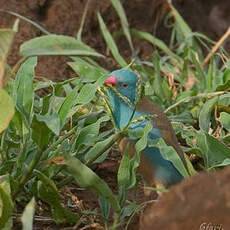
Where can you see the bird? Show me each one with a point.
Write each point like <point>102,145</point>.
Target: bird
<point>154,169</point>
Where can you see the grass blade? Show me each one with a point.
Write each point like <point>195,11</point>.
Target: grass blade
<point>205,114</point>
<point>124,22</point>
<point>23,93</point>
<point>200,73</point>
<point>87,71</point>
<point>110,42</point>
<point>86,178</point>
<point>56,45</point>
<point>27,20</point>
<point>27,216</point>
<point>155,41</point>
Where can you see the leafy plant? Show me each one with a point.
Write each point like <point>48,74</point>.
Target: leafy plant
<point>52,138</point>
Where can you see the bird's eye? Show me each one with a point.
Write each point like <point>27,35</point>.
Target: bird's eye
<point>125,85</point>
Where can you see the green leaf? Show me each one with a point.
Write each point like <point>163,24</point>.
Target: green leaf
<point>99,146</point>
<point>88,91</point>
<point>67,104</point>
<point>226,76</point>
<point>142,142</point>
<point>23,93</point>
<point>140,145</point>
<point>86,178</point>
<point>129,210</point>
<point>110,42</point>
<point>205,114</point>
<point>28,214</point>
<point>124,22</point>
<point>105,207</point>
<point>123,175</point>
<point>158,82</point>
<point>225,120</point>
<point>6,38</point>
<point>180,21</point>
<point>6,203</point>
<point>86,71</point>
<point>224,86</point>
<point>217,149</point>
<point>213,150</point>
<point>170,154</point>
<point>6,110</point>
<point>211,76</point>
<point>200,74</point>
<point>155,41</point>
<point>225,162</point>
<point>52,121</point>
<point>49,193</point>
<point>89,132</point>
<point>56,45</point>
<point>86,94</point>
<point>190,167</point>
<point>185,30</point>
<point>40,133</point>
<point>224,99</point>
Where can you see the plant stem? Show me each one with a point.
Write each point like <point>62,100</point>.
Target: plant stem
<point>67,180</point>
<point>187,99</point>
<point>70,178</point>
<point>83,20</point>
<point>216,47</point>
<point>115,139</point>
<point>28,172</point>
<point>59,141</point>
<point>24,178</point>
<point>115,222</point>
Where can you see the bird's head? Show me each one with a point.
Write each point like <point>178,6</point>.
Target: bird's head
<point>125,82</point>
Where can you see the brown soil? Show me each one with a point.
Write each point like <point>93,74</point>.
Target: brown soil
<point>204,198</point>
<point>63,17</point>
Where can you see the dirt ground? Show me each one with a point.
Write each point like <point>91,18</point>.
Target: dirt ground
<point>204,198</point>
<point>63,17</point>
<point>202,202</point>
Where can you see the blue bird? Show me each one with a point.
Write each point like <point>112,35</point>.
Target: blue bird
<point>153,167</point>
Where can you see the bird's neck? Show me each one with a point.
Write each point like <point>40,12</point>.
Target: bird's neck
<point>122,112</point>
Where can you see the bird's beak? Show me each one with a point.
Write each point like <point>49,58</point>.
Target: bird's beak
<point>111,80</point>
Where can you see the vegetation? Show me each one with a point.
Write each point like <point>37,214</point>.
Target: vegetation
<point>51,133</point>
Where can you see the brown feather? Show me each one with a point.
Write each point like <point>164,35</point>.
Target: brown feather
<point>163,124</point>
<point>146,169</point>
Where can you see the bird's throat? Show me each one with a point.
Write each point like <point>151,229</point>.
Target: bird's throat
<point>122,112</point>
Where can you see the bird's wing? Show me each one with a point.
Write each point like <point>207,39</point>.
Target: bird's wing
<point>162,122</point>
<point>146,169</point>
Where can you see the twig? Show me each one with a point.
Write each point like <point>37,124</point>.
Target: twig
<point>36,218</point>
<point>216,47</point>
<point>94,226</point>
<point>83,20</point>
<point>187,99</point>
